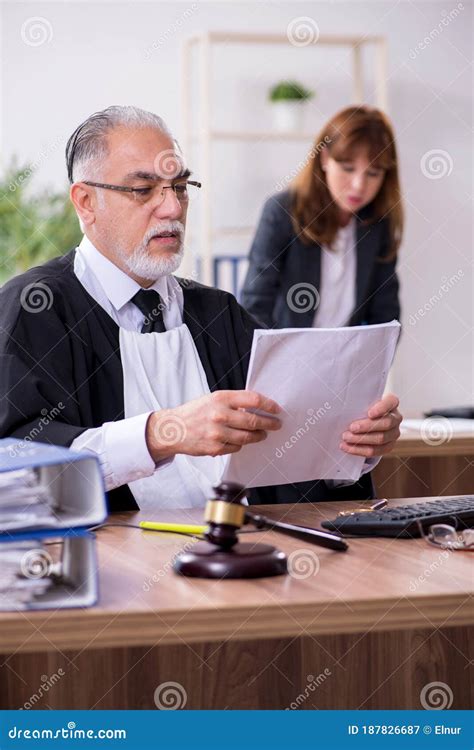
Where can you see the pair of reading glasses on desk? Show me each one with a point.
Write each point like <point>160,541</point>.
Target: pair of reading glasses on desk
<point>445,536</point>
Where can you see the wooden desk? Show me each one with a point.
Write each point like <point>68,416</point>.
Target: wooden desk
<point>417,468</point>
<point>368,628</point>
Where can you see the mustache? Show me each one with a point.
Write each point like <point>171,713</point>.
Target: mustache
<point>169,227</point>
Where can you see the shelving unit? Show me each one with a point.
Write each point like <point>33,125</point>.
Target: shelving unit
<point>206,135</point>
<point>253,135</point>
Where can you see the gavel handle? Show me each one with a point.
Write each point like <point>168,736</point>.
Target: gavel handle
<point>314,536</point>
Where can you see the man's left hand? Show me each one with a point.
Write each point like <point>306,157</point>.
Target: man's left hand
<point>378,433</point>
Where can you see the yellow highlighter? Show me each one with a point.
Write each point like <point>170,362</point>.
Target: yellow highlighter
<point>183,528</point>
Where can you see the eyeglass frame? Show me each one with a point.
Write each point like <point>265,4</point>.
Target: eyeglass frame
<point>462,546</point>
<point>137,190</point>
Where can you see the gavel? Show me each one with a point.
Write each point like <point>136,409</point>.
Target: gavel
<point>222,555</point>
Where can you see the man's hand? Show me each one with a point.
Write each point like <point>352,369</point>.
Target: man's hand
<point>212,425</point>
<point>377,434</point>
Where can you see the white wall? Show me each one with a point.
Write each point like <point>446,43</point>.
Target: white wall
<point>96,54</point>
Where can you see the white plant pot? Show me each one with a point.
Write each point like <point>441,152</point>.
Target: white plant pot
<point>288,115</point>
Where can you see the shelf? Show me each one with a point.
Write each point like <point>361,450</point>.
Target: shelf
<point>239,37</point>
<point>200,134</point>
<point>255,135</point>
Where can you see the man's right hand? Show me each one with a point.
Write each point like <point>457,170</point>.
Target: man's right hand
<point>212,425</point>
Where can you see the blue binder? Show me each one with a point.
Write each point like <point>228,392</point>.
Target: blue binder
<point>76,486</point>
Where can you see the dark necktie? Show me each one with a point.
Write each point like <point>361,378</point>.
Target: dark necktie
<point>149,303</point>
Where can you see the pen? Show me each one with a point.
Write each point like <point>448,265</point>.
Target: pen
<point>184,528</point>
<point>381,504</point>
<point>376,506</point>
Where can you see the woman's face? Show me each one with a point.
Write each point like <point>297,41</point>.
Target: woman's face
<point>354,183</point>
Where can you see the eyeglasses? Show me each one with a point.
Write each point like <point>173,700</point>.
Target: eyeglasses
<point>142,195</point>
<point>445,536</point>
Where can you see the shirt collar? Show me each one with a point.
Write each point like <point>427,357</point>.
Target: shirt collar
<point>118,286</point>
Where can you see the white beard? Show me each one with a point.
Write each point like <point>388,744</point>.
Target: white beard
<point>144,265</point>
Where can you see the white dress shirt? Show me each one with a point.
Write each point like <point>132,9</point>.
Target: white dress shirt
<point>338,280</point>
<point>121,445</point>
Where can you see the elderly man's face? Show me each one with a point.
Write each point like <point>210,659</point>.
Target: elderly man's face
<point>142,233</point>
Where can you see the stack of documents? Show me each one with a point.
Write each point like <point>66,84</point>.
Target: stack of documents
<point>23,500</point>
<point>323,379</point>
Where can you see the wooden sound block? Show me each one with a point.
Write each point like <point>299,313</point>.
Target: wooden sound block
<point>241,561</point>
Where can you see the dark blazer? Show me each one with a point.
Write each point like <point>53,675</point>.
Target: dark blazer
<point>279,259</point>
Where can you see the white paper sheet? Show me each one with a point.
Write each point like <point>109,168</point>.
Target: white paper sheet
<point>323,379</point>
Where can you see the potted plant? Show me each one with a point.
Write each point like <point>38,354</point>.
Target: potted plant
<point>288,99</point>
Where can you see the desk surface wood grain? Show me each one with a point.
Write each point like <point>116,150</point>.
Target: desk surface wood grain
<point>378,584</point>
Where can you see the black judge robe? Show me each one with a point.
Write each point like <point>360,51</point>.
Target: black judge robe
<point>60,358</point>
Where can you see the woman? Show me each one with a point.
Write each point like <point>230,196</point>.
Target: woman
<point>325,251</point>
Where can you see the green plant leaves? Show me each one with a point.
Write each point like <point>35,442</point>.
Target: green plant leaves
<point>289,90</point>
<point>34,227</point>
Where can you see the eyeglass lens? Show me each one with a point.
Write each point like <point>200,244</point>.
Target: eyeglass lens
<point>444,534</point>
<point>181,191</point>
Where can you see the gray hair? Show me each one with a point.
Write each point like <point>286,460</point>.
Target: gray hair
<point>88,144</point>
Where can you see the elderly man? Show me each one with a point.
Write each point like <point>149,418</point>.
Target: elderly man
<point>142,368</point>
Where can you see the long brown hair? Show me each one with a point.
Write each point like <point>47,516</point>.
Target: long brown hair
<point>314,213</point>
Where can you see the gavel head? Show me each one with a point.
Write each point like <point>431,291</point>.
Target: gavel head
<point>225,514</point>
